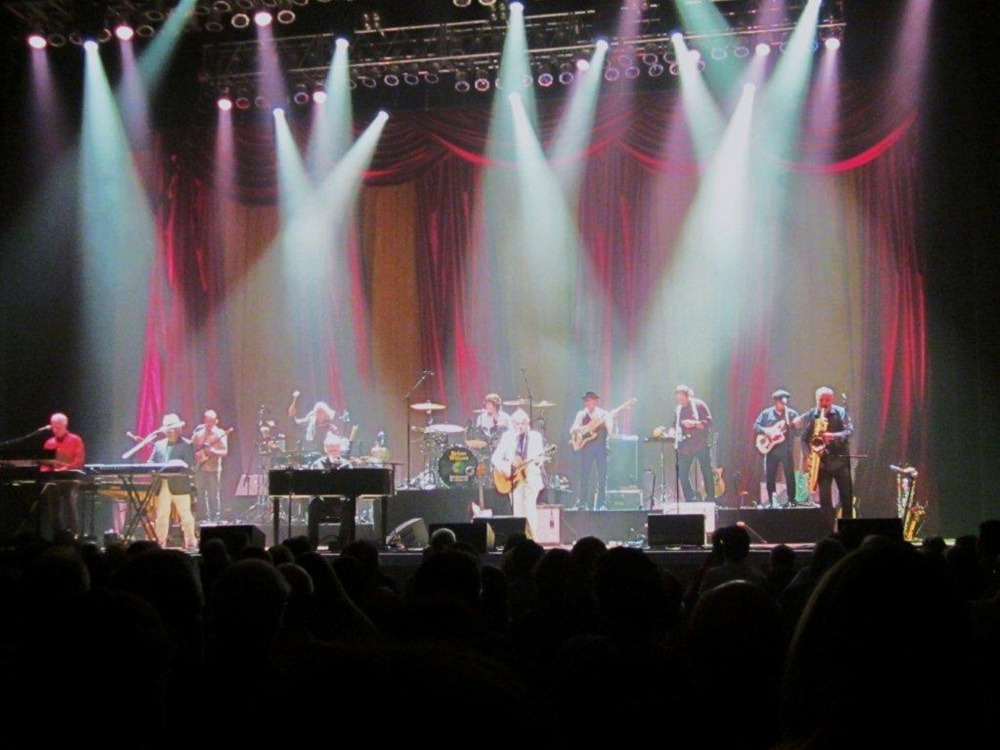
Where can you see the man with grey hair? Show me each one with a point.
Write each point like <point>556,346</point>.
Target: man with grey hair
<point>68,455</point>
<point>211,445</point>
<point>521,445</point>
<point>835,459</point>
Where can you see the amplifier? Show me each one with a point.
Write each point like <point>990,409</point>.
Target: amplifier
<point>623,462</point>
<point>549,531</point>
<point>630,499</point>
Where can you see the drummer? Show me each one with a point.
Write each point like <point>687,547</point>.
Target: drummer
<point>493,420</point>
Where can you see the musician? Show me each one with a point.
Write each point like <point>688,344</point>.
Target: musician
<point>594,453</point>
<point>693,418</point>
<point>68,455</point>
<point>334,450</point>
<point>835,463</point>
<point>318,422</point>
<point>778,416</point>
<point>211,445</point>
<point>174,489</point>
<point>493,420</point>
<point>519,445</point>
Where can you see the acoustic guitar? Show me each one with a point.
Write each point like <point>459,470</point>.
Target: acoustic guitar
<point>505,483</point>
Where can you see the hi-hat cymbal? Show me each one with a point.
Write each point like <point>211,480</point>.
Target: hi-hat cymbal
<point>444,429</point>
<point>427,406</point>
<point>478,411</point>
<point>544,404</point>
<point>516,402</point>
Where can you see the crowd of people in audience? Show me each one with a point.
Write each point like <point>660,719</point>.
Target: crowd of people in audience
<point>887,643</point>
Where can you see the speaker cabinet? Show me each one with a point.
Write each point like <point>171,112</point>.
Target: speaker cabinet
<point>236,537</point>
<point>479,536</point>
<point>676,531</point>
<point>854,530</point>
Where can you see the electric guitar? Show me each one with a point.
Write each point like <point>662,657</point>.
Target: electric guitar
<point>202,455</point>
<point>591,430</point>
<point>505,483</point>
<point>771,437</point>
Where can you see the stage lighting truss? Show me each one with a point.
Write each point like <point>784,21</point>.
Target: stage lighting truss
<point>465,55</point>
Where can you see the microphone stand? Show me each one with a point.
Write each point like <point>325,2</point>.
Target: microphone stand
<point>140,445</point>
<point>14,441</point>
<point>409,426</point>
<point>531,399</point>
<point>678,439</point>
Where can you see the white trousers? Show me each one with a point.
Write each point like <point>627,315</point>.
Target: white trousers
<point>524,498</point>
<point>162,525</point>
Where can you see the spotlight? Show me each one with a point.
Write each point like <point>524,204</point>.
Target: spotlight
<point>601,45</point>
<point>240,20</point>
<point>695,55</point>
<point>674,69</point>
<point>487,3</point>
<point>677,38</point>
<point>224,103</point>
<point>763,49</point>
<point>37,41</point>
<point>263,18</point>
<point>410,78</point>
<point>462,85</point>
<point>124,32</point>
<point>301,95</point>
<point>462,3</point>
<point>719,53</point>
<point>545,79</point>
<point>56,40</point>
<point>516,7</point>
<point>104,35</point>
<point>611,73</point>
<point>342,43</point>
<point>566,74</point>
<point>90,45</point>
<point>285,17</point>
<point>391,78</point>
<point>382,115</point>
<point>260,101</point>
<point>368,82</point>
<point>242,102</point>
<point>319,94</point>
<point>741,51</point>
<point>145,31</point>
<point>832,43</point>
<point>76,37</point>
<point>625,60</point>
<point>482,83</point>
<point>632,72</point>
<point>655,70</point>
<point>278,112</point>
<point>214,25</point>
<point>433,74</point>
<point>221,6</point>
<point>583,65</point>
<point>648,58</point>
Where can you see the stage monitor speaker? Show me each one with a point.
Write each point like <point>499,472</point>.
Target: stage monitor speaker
<point>623,463</point>
<point>504,527</point>
<point>236,537</point>
<point>337,511</point>
<point>479,536</point>
<point>854,530</point>
<point>411,534</point>
<point>676,531</point>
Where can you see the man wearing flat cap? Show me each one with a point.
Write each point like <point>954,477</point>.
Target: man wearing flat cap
<point>175,487</point>
<point>775,422</point>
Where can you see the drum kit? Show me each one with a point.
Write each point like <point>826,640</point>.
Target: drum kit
<point>457,456</point>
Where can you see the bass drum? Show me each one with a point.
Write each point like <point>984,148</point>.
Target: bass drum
<point>458,465</point>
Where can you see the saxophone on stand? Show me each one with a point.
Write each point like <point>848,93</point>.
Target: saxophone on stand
<point>913,513</point>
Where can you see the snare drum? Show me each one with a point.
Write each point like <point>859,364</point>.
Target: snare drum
<point>458,465</point>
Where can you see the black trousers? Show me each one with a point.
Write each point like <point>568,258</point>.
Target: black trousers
<point>836,470</point>
<point>59,500</point>
<point>594,454</point>
<point>772,461</point>
<point>704,459</point>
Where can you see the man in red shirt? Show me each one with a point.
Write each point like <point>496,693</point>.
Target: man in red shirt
<point>69,455</point>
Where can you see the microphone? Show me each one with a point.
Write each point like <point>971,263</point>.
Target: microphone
<point>429,372</point>
<point>43,428</point>
<point>296,394</point>
<point>843,397</point>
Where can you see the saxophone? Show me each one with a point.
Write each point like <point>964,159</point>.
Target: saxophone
<point>817,447</point>
<point>912,512</point>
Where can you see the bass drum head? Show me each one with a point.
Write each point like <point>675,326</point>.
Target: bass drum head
<point>457,465</point>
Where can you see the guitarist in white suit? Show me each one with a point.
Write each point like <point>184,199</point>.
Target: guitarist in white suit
<point>594,453</point>
<point>520,445</point>
<point>776,423</point>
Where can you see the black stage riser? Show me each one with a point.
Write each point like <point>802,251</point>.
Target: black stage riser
<point>780,526</point>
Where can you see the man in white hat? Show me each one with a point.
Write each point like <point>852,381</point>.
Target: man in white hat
<point>175,489</point>
<point>520,445</point>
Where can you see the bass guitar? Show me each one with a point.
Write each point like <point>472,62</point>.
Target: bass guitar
<point>505,483</point>
<point>592,429</point>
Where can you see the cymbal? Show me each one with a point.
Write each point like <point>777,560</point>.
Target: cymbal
<point>427,406</point>
<point>478,411</point>
<point>544,404</point>
<point>516,402</point>
<point>446,429</point>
